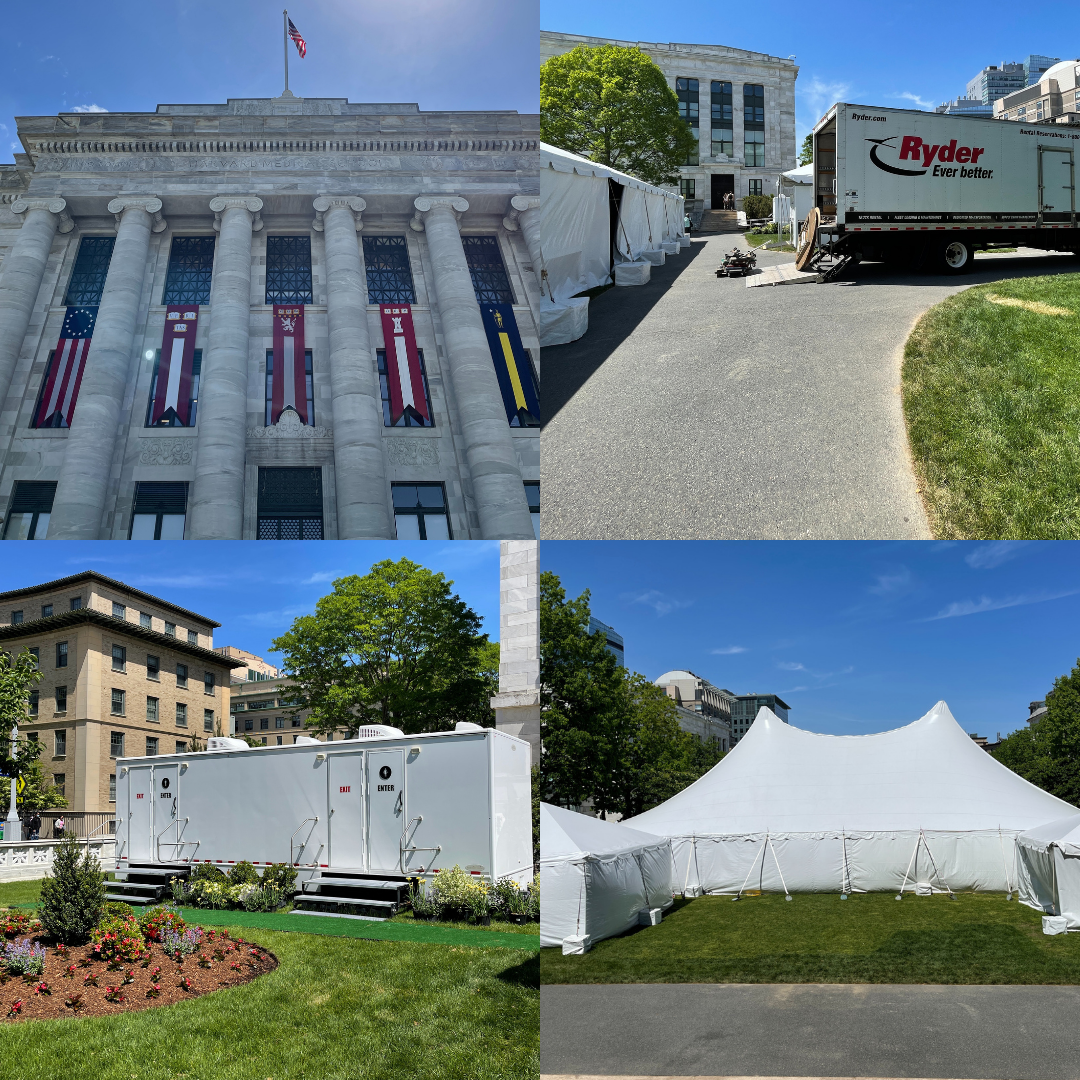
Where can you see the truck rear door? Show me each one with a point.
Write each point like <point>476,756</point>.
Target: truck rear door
<point>1057,193</point>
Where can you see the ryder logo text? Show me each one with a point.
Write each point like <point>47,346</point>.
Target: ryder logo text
<point>947,159</point>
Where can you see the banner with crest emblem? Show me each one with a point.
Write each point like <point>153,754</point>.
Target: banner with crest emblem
<point>289,382</point>
<point>176,366</point>
<point>511,365</point>
<point>403,375</point>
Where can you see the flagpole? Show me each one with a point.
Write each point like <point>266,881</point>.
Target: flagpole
<point>285,43</point>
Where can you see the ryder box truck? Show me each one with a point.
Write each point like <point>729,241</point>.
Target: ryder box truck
<point>357,818</point>
<point>929,188</point>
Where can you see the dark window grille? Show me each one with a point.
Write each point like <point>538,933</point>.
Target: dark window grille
<point>389,275</point>
<point>408,418</point>
<point>60,698</point>
<point>288,270</point>
<point>181,676</point>
<point>116,744</point>
<point>420,512</point>
<point>686,90</point>
<point>687,188</point>
<point>151,746</point>
<point>753,107</point>
<point>30,509</point>
<point>532,493</point>
<point>487,270</point>
<point>309,387</point>
<point>170,419</point>
<point>722,120</point>
<point>91,267</point>
<point>160,510</point>
<point>290,504</point>
<point>191,268</point>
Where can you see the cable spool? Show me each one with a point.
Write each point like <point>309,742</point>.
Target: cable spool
<point>804,253</point>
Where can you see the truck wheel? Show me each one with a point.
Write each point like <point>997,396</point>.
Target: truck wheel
<point>955,257</point>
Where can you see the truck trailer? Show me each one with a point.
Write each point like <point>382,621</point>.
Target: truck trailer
<point>929,189</point>
<point>357,818</point>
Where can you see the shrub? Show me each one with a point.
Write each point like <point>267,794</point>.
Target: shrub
<point>207,872</point>
<point>24,958</point>
<point>73,897</point>
<point>117,909</point>
<point>181,892</point>
<point>280,875</point>
<point>211,894</point>
<point>479,900</point>
<point>261,897</point>
<point>243,873</point>
<point>454,887</point>
<point>757,206</point>
<point>512,899</point>
<point>533,894</point>
<point>177,945</point>
<point>119,940</point>
<point>157,919</point>
<point>424,901</point>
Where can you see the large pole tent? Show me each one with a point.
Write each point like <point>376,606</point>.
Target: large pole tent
<point>1049,866</point>
<point>593,219</point>
<point>597,877</point>
<point>920,808</point>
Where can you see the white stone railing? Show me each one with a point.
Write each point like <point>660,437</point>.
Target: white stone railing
<point>29,859</point>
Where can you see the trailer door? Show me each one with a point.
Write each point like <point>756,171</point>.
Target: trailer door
<point>386,809</point>
<point>347,811</point>
<point>166,811</point>
<point>1057,193</point>
<point>140,823</point>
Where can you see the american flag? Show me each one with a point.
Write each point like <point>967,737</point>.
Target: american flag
<point>61,390</point>
<point>298,41</point>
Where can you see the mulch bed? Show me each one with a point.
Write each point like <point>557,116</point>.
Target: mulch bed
<point>232,962</point>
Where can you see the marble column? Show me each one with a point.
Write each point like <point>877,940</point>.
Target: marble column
<point>525,213</point>
<point>489,450</point>
<point>91,442</point>
<point>22,272</point>
<point>216,501</point>
<point>360,475</point>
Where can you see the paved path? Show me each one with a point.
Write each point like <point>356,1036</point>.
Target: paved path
<point>698,408</point>
<point>974,1032</point>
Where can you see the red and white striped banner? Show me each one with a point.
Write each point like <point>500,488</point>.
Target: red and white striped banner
<point>402,362</point>
<point>175,370</point>
<point>289,384</point>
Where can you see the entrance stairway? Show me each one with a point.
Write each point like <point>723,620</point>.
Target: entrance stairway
<point>361,896</point>
<point>145,884</point>
<point>714,222</point>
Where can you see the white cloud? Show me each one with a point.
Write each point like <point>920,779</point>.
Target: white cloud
<point>989,556</point>
<point>273,619</point>
<point>88,108</point>
<point>320,578</point>
<point>787,666</point>
<point>985,603</point>
<point>892,583</point>
<point>728,650</point>
<point>658,601</point>
<point>907,95</point>
<point>817,95</point>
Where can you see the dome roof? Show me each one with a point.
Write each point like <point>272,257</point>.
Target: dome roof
<point>1064,68</point>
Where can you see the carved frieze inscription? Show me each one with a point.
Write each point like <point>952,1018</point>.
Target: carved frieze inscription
<point>167,452</point>
<point>414,452</point>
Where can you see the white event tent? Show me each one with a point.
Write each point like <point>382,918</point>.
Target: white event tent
<point>597,876</point>
<point>576,223</point>
<point>1050,868</point>
<point>920,807</point>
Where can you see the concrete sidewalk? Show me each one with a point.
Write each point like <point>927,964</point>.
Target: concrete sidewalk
<point>806,1030</point>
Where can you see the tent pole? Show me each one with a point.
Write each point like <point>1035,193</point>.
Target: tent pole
<point>845,874</point>
<point>910,861</point>
<point>697,867</point>
<point>772,848</point>
<point>686,881</point>
<point>1005,864</point>
<point>751,870</point>
<point>937,872</point>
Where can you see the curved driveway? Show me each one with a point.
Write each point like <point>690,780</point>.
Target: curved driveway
<point>697,408</point>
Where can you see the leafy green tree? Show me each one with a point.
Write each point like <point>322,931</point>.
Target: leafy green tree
<point>39,793</point>
<point>19,675</point>
<point>613,105</point>
<point>806,151</point>
<point>757,206</point>
<point>1048,753</point>
<point>392,647</point>
<point>73,896</point>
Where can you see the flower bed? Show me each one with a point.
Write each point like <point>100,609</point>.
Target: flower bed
<point>456,895</point>
<point>89,980</point>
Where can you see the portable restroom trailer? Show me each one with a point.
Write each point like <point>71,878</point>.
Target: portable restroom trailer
<point>356,818</point>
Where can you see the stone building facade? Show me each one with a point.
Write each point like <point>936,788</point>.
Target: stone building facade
<point>703,709</point>
<point>124,673</point>
<point>517,704</point>
<point>301,233</point>
<point>740,105</point>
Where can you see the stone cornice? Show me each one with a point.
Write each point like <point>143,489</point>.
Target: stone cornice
<point>426,203</point>
<point>251,203</point>
<point>279,146</point>
<point>150,203</point>
<point>322,204</point>
<point>53,204</point>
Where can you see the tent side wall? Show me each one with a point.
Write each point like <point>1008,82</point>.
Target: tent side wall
<point>862,862</point>
<point>1050,881</point>
<point>562,912</point>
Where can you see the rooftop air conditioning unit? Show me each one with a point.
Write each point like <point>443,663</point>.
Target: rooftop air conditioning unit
<point>305,740</point>
<point>377,731</point>
<point>220,742</point>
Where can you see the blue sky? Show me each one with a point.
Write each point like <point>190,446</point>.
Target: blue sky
<point>903,55</point>
<point>857,637</point>
<point>119,55</point>
<point>256,590</point>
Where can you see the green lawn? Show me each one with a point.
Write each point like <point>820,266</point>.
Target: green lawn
<point>757,239</point>
<point>979,938</point>
<point>336,1009</point>
<point>992,401</point>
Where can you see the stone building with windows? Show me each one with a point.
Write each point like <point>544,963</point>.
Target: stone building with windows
<point>124,673</point>
<point>739,104</point>
<point>704,710</point>
<point>1053,98</point>
<point>744,710</point>
<point>273,318</point>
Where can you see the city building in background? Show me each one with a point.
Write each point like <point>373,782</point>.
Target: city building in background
<point>739,104</point>
<point>611,636</point>
<point>262,708</point>
<point>255,668</point>
<point>124,674</point>
<point>745,710</point>
<point>704,710</point>
<point>997,81</point>
<point>278,318</point>
<point>1054,98</point>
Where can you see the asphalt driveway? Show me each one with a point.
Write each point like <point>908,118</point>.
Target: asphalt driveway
<point>679,1030</point>
<point>696,408</point>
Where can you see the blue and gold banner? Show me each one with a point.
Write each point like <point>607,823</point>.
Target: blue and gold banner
<point>511,365</point>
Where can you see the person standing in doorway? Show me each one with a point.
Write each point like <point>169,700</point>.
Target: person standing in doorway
<point>35,826</point>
